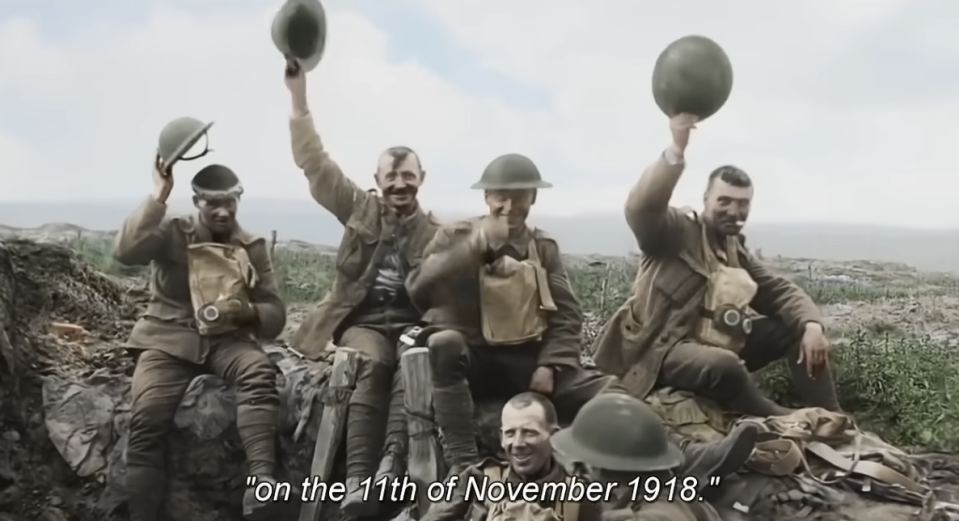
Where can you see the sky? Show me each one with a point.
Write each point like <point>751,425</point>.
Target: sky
<point>841,111</point>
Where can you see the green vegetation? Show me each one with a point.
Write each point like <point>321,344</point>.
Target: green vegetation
<point>899,385</point>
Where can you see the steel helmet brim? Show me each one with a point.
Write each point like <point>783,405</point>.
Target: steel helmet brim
<point>564,443</point>
<point>187,144</point>
<point>526,185</point>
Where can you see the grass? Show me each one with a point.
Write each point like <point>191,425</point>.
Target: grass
<point>901,386</point>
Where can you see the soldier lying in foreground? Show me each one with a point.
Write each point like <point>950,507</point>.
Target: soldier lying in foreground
<point>213,296</point>
<point>509,322</point>
<point>688,323</point>
<point>619,440</point>
<point>368,307</point>
<point>528,422</point>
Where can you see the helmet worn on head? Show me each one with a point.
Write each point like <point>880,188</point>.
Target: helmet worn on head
<point>299,31</point>
<point>178,136</point>
<point>693,76</point>
<point>216,181</point>
<point>511,172</point>
<point>618,432</point>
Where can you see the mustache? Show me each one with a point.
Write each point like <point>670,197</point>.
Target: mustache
<point>406,190</point>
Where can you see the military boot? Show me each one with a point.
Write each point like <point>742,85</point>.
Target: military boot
<point>396,446</point>
<point>721,458</point>
<point>256,424</point>
<point>365,426</point>
<point>453,406</point>
<point>145,489</point>
<point>256,510</point>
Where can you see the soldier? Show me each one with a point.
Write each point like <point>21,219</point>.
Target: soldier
<point>509,321</point>
<point>190,327</point>
<point>528,421</point>
<point>688,324</point>
<point>368,307</point>
<point>620,442</point>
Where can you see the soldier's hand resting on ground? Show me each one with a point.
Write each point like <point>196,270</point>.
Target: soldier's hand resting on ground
<point>162,180</point>
<point>680,127</point>
<point>814,349</point>
<point>542,381</point>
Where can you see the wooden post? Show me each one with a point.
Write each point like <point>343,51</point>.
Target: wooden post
<point>426,463</point>
<point>272,242</point>
<point>332,423</point>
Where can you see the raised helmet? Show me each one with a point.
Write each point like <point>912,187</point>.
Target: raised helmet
<point>693,76</point>
<point>299,30</point>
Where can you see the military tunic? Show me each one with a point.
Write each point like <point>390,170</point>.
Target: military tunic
<point>172,352</point>
<point>367,307</point>
<point>647,341</point>
<point>446,289</point>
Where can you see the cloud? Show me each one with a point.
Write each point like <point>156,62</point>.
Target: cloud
<point>821,144</point>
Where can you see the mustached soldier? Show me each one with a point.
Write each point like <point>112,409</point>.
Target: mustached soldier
<point>213,296</point>
<point>368,307</point>
<point>689,323</point>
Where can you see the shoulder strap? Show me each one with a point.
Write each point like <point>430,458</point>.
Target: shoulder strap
<point>732,251</point>
<point>568,510</point>
<point>493,472</point>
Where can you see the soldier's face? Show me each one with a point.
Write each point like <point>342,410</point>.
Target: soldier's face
<point>727,207</point>
<point>518,207</point>
<point>218,214</point>
<point>524,437</point>
<point>399,183</point>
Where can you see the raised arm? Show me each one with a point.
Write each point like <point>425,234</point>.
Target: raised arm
<point>328,185</point>
<point>265,296</point>
<point>562,340</point>
<point>647,206</point>
<point>144,235</point>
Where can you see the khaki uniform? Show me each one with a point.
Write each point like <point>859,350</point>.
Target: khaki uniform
<point>648,340</point>
<point>459,508</point>
<point>446,287</point>
<point>353,314</point>
<point>173,352</point>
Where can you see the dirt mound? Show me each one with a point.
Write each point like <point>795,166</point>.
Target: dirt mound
<point>65,404</point>
<point>39,283</point>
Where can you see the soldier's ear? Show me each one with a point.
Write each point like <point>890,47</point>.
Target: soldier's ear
<point>535,194</point>
<point>196,201</point>
<point>422,175</point>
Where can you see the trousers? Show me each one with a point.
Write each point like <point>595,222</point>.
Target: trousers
<point>159,382</point>
<point>724,376</point>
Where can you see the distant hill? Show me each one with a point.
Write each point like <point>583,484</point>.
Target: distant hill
<point>604,234</point>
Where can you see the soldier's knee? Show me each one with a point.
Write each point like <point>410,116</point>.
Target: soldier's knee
<point>724,368</point>
<point>447,349</point>
<point>256,377</point>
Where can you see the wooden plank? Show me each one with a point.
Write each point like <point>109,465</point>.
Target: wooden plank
<point>426,463</point>
<point>332,423</point>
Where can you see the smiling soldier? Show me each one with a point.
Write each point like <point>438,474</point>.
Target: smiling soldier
<point>690,322</point>
<point>528,422</point>
<point>213,294</point>
<point>368,307</point>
